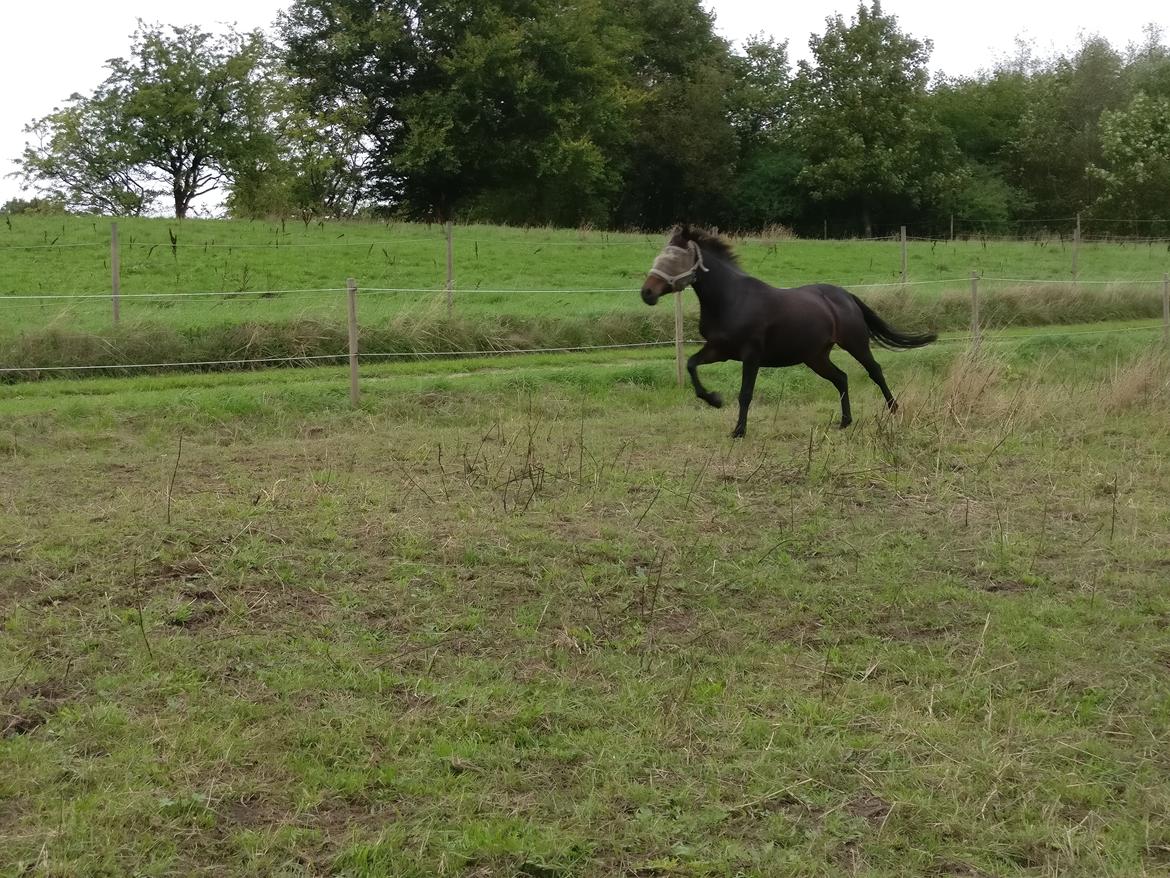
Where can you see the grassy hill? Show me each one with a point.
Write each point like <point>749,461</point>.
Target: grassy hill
<point>263,289</point>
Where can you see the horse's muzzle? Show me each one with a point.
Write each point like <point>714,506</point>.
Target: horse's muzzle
<point>649,296</point>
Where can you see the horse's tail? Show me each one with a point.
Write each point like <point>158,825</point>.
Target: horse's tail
<point>886,335</point>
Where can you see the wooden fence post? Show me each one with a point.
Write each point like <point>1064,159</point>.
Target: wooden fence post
<point>680,361</point>
<point>903,254</point>
<point>1076,248</point>
<point>450,270</point>
<point>116,272</point>
<point>1166,308</point>
<point>975,328</point>
<point>952,228</point>
<point>355,392</point>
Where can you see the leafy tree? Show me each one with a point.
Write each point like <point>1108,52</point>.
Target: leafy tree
<point>1147,64</point>
<point>319,168</point>
<point>40,206</point>
<point>562,79</point>
<point>982,199</point>
<point>461,96</point>
<point>1135,160</point>
<point>681,157</point>
<point>766,190</point>
<point>983,113</point>
<point>81,160</point>
<point>178,117</point>
<point>1058,136</point>
<point>760,94</point>
<point>863,122</point>
<point>681,164</point>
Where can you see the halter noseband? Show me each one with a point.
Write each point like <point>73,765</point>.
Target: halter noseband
<point>673,257</point>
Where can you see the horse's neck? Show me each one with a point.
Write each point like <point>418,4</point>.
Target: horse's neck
<point>716,287</point>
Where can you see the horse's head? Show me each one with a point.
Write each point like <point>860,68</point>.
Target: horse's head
<point>674,268</point>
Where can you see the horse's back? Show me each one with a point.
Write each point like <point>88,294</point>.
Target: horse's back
<point>843,303</point>
<point>818,296</point>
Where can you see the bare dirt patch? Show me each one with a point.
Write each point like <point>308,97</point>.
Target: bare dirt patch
<point>27,708</point>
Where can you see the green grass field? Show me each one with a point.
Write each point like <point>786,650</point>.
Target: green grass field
<point>541,617</point>
<point>274,290</point>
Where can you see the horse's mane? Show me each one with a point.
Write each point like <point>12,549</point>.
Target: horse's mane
<point>708,239</point>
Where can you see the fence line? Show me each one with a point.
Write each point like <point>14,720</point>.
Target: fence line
<point>213,245</point>
<point>912,283</point>
<point>977,237</point>
<point>1097,239</point>
<point>501,351</point>
<point>499,291</point>
<point>496,352</point>
<point>50,246</point>
<point>297,359</point>
<point>209,245</point>
<point>1055,219</point>
<point>438,240</point>
<point>242,293</point>
<point>1071,283</point>
<point>415,355</point>
<point>1026,336</point>
<point>967,235</point>
<point>648,240</point>
<point>433,240</point>
<point>55,296</point>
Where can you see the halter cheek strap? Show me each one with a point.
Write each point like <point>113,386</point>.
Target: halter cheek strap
<point>672,259</point>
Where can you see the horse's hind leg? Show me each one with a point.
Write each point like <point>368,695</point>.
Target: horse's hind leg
<point>705,354</point>
<point>751,367</point>
<point>862,353</point>
<point>823,366</point>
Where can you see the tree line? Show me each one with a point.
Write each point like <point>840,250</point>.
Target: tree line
<point>615,114</point>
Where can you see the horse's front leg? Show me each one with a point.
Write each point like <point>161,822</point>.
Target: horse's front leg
<point>706,354</point>
<point>751,367</point>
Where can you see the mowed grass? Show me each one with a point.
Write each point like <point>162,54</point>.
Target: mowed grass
<point>542,617</point>
<point>276,288</point>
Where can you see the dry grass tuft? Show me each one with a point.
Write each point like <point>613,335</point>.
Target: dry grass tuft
<point>970,380</point>
<point>777,232</point>
<point>1136,383</point>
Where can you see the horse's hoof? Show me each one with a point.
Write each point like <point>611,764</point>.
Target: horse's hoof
<point>739,432</point>
<point>845,424</point>
<point>714,400</point>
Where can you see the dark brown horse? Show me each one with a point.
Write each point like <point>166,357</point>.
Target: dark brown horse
<point>742,318</point>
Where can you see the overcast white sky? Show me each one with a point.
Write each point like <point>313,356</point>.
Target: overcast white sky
<point>50,50</point>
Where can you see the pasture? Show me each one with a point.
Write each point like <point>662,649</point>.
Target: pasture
<point>548,620</point>
<point>258,289</point>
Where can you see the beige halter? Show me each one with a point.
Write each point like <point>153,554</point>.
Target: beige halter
<point>671,265</point>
